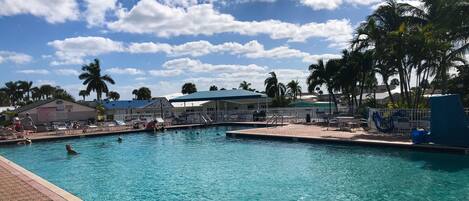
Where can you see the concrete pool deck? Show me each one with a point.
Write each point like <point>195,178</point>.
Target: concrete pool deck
<point>313,133</point>
<point>17,183</point>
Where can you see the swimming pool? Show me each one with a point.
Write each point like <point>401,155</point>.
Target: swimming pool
<point>202,164</point>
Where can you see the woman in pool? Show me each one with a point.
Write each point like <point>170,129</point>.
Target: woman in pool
<point>70,150</point>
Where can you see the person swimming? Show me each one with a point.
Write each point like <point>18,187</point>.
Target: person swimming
<point>70,150</point>
<point>119,139</point>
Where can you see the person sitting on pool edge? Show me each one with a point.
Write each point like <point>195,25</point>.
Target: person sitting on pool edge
<point>70,150</point>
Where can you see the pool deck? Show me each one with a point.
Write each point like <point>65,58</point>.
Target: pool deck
<point>17,183</point>
<point>318,134</point>
<point>45,136</point>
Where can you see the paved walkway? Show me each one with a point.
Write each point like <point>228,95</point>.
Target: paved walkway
<point>16,183</point>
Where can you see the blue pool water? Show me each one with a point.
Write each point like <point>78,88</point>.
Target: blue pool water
<point>208,166</point>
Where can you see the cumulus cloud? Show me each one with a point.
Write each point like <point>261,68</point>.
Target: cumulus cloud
<point>95,13</point>
<point>53,11</point>
<point>125,71</point>
<point>34,71</point>
<point>73,50</point>
<point>192,65</point>
<point>150,16</point>
<point>14,57</point>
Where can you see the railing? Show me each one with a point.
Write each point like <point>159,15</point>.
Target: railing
<point>403,120</point>
<point>273,120</point>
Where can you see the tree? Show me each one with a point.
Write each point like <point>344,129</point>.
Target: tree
<point>84,94</point>
<point>25,87</point>
<point>321,74</point>
<point>188,88</point>
<point>114,95</point>
<point>213,88</point>
<point>143,93</point>
<point>36,93</point>
<point>47,91</point>
<point>12,91</point>
<point>245,86</point>
<point>274,88</point>
<point>294,89</point>
<point>62,94</point>
<point>93,80</point>
<point>4,99</point>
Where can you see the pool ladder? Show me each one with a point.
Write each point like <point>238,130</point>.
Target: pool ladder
<point>274,120</point>
<point>206,119</point>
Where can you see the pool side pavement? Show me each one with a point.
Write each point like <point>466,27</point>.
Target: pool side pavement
<point>17,183</point>
<point>312,133</point>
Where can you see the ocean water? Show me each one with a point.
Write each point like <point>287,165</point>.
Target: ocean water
<point>203,164</point>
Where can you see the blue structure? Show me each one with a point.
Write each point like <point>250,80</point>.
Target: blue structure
<point>219,95</point>
<point>386,125</point>
<point>449,123</point>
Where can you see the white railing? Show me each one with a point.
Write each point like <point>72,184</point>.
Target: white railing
<point>403,120</point>
<point>290,115</point>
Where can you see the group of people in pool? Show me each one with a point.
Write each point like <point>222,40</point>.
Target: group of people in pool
<point>71,151</point>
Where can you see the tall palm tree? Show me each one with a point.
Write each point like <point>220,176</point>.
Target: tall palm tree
<point>321,74</point>
<point>84,94</point>
<point>135,93</point>
<point>93,79</point>
<point>213,88</point>
<point>273,87</point>
<point>294,89</point>
<point>143,93</point>
<point>386,72</point>
<point>188,88</point>
<point>113,95</point>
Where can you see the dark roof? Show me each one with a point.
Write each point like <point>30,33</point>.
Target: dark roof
<point>127,104</point>
<point>218,95</point>
<point>43,102</point>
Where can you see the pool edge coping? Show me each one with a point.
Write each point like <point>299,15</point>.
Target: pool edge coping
<point>285,137</point>
<point>43,186</point>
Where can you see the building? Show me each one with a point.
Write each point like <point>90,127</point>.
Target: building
<point>126,110</point>
<point>57,110</point>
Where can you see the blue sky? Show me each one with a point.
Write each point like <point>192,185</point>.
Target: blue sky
<point>162,44</point>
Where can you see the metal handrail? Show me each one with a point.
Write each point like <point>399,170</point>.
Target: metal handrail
<point>274,119</point>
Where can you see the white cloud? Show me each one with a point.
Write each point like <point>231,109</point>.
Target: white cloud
<point>165,73</point>
<point>54,11</point>
<point>322,4</point>
<point>191,65</point>
<point>150,16</point>
<point>125,71</point>
<point>73,50</point>
<point>34,71</point>
<point>96,10</point>
<point>14,57</point>
<point>67,72</point>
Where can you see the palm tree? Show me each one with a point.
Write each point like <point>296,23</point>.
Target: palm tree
<point>386,72</point>
<point>321,74</point>
<point>273,88</point>
<point>188,88</point>
<point>93,79</point>
<point>84,94</point>
<point>4,99</point>
<point>245,86</point>
<point>47,91</point>
<point>36,93</point>
<point>60,93</point>
<point>113,95</point>
<point>143,93</point>
<point>135,93</point>
<point>213,88</point>
<point>11,89</point>
<point>294,89</point>
<point>25,87</point>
